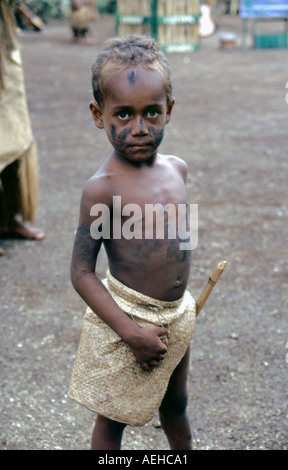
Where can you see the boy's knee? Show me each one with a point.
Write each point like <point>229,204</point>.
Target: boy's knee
<point>176,405</point>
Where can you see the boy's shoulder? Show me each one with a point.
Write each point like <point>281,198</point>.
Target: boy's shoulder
<point>176,162</point>
<point>98,184</point>
<point>173,159</point>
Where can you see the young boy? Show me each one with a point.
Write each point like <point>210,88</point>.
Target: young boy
<point>133,355</point>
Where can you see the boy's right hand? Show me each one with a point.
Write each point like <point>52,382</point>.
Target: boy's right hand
<point>147,346</point>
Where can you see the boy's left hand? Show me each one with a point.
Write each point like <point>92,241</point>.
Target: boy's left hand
<point>148,349</point>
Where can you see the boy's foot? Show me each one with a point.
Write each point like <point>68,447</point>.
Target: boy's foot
<point>24,230</point>
<point>1,251</point>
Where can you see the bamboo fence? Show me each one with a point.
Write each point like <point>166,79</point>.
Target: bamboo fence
<point>178,27</point>
<point>174,23</point>
<point>133,17</point>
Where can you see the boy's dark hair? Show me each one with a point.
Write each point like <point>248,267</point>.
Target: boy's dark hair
<point>120,53</point>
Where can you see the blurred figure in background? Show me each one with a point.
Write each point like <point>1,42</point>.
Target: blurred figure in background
<point>83,13</point>
<point>18,155</point>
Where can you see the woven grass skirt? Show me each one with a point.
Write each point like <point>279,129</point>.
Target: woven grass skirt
<point>107,379</point>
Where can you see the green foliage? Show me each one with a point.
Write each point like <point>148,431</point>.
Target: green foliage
<point>46,8</point>
<point>59,8</point>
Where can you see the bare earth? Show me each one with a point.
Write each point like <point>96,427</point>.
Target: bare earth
<point>230,125</point>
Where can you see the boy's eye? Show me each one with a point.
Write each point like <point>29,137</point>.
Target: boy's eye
<point>123,115</point>
<point>152,113</point>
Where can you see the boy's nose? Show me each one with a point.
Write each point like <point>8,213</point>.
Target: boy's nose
<point>139,126</point>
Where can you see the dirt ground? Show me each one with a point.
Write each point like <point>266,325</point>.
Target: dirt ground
<point>229,125</point>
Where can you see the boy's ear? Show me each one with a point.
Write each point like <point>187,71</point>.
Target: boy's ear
<point>96,114</point>
<point>169,109</point>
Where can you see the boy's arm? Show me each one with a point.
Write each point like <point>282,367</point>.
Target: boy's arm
<point>144,342</point>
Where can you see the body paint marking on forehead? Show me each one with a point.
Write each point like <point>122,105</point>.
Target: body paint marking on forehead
<point>132,77</point>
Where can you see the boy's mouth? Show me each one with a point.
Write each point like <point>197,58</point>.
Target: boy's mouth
<point>139,145</point>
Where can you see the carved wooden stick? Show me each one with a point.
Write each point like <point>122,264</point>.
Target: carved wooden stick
<point>213,278</point>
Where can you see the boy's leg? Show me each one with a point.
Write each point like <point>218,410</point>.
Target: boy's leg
<point>107,434</point>
<point>173,409</point>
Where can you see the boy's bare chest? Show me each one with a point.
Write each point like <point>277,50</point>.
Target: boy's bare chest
<point>150,189</point>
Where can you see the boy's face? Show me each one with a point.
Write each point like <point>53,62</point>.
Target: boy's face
<point>135,112</point>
